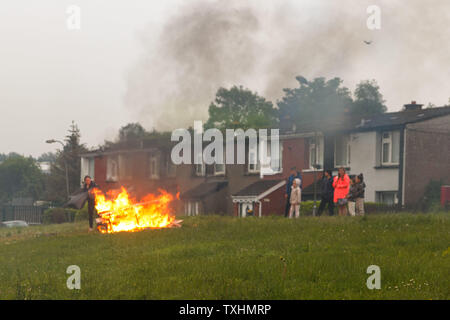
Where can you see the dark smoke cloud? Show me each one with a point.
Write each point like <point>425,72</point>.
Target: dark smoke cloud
<point>263,45</point>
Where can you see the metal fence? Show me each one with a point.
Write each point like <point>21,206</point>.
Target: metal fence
<point>30,214</point>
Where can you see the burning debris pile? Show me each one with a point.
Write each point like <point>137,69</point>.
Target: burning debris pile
<point>123,213</point>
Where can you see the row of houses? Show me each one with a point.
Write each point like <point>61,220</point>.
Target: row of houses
<point>398,153</point>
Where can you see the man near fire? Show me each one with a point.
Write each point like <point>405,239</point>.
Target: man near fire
<point>88,186</point>
<point>294,175</point>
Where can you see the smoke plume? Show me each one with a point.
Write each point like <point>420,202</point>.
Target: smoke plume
<point>263,45</point>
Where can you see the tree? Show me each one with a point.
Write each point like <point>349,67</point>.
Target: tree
<point>47,156</point>
<point>56,181</point>
<point>4,156</point>
<point>131,132</point>
<point>368,99</point>
<point>20,177</point>
<point>240,108</point>
<point>315,99</point>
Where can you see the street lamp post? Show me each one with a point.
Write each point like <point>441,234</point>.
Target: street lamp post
<point>315,172</point>
<point>65,164</point>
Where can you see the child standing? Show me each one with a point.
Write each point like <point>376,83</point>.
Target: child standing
<point>361,186</point>
<point>351,196</point>
<point>295,199</point>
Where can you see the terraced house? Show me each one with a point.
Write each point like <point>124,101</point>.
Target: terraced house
<point>398,153</point>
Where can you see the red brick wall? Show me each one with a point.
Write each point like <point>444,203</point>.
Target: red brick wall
<point>293,156</point>
<point>275,204</point>
<point>427,156</point>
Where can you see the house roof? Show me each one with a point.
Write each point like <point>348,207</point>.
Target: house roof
<point>259,187</point>
<point>367,123</point>
<point>204,189</point>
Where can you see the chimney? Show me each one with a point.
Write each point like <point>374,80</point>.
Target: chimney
<point>412,106</point>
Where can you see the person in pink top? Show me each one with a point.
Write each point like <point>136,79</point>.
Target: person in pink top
<point>341,185</point>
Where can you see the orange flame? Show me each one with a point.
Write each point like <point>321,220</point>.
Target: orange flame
<point>124,214</point>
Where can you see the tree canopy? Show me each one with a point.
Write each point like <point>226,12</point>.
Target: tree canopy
<point>20,177</point>
<point>319,98</point>
<point>131,131</point>
<point>240,108</point>
<point>368,99</point>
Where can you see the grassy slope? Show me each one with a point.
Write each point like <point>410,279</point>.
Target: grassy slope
<point>229,258</point>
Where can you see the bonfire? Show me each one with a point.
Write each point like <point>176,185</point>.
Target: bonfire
<point>124,213</point>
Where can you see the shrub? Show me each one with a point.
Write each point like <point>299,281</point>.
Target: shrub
<point>82,214</point>
<point>54,215</point>
<point>306,208</point>
<point>61,215</point>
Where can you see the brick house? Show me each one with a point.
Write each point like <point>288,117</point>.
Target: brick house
<point>398,152</point>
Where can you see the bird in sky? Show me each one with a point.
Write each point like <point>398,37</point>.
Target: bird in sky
<point>367,42</point>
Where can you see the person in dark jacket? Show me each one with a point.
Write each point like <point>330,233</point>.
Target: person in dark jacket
<point>327,193</point>
<point>361,186</point>
<point>351,197</point>
<point>88,186</point>
<point>294,175</point>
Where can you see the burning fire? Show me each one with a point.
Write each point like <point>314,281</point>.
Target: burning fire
<point>125,214</point>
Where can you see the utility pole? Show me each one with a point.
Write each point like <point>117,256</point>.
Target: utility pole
<point>315,173</point>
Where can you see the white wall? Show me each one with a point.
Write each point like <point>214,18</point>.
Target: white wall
<point>87,168</point>
<point>363,160</point>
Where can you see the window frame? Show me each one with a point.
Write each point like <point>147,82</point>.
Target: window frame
<point>125,161</point>
<point>390,141</point>
<point>215,165</point>
<point>380,195</point>
<point>154,159</point>
<point>112,159</point>
<point>257,166</point>
<point>318,151</point>
<point>347,151</point>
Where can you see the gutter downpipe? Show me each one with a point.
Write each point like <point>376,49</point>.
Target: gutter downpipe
<point>260,207</point>
<point>401,168</point>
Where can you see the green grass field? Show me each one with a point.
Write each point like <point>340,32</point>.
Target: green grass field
<point>214,257</point>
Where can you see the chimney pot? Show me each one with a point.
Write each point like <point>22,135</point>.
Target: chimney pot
<point>412,106</point>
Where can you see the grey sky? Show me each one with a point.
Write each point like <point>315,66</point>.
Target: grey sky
<point>124,64</point>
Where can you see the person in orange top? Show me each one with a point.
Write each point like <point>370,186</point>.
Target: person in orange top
<point>341,185</point>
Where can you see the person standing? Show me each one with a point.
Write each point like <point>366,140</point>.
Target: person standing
<point>295,199</point>
<point>351,197</point>
<point>327,193</point>
<point>341,185</point>
<point>361,187</point>
<point>294,175</point>
<point>88,186</point>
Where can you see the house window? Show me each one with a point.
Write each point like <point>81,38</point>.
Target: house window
<point>316,152</point>
<point>390,147</point>
<point>200,169</point>
<point>125,167</point>
<point>246,209</point>
<point>219,169</point>
<point>275,164</point>
<point>386,197</point>
<point>342,151</point>
<point>192,208</point>
<point>112,168</point>
<point>153,166</point>
<point>253,162</point>
<point>87,167</point>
